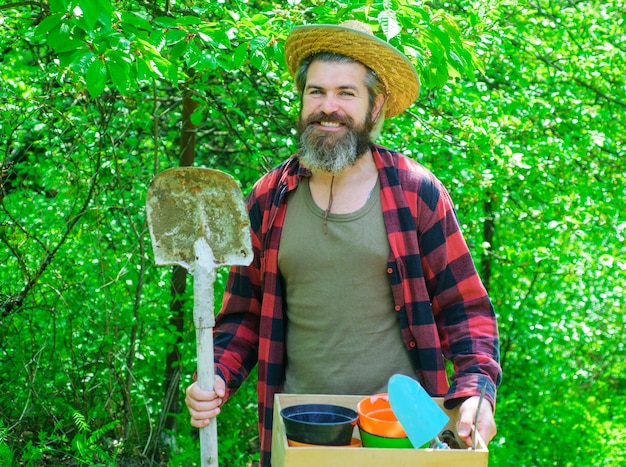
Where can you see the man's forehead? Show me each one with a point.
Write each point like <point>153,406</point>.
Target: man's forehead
<point>344,74</point>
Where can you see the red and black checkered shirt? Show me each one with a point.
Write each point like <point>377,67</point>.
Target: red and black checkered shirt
<point>443,307</point>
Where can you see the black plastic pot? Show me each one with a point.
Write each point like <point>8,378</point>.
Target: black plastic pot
<point>325,424</point>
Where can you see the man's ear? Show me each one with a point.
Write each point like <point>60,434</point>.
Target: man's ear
<point>379,103</point>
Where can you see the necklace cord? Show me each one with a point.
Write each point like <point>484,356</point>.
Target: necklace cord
<point>330,203</point>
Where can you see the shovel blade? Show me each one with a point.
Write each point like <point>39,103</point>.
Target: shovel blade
<point>419,415</point>
<point>184,204</point>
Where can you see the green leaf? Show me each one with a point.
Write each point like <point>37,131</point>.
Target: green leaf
<point>207,60</point>
<point>453,32</point>
<point>164,21</point>
<point>79,444</point>
<point>79,60</point>
<point>59,35</point>
<point>240,55</point>
<point>172,74</point>
<point>456,62</point>
<point>58,5</point>
<point>389,24</point>
<point>162,68</point>
<point>116,41</point>
<point>118,69</point>
<point>278,52</point>
<point>258,60</point>
<point>439,72</point>
<point>91,11</point>
<point>220,37</point>
<point>189,20</point>
<point>193,55</point>
<point>70,46</point>
<point>59,39</point>
<point>106,20</point>
<point>175,35</point>
<point>442,37</point>
<point>197,116</point>
<point>147,47</point>
<point>258,42</point>
<point>144,70</point>
<point>96,78</point>
<point>413,10</point>
<point>49,23</point>
<point>435,47</point>
<point>158,40</point>
<point>136,21</point>
<point>259,19</point>
<point>178,50</point>
<point>105,6</point>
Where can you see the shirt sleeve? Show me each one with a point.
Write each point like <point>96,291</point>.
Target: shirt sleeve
<point>463,312</point>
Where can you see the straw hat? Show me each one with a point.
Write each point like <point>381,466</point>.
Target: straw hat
<point>356,40</point>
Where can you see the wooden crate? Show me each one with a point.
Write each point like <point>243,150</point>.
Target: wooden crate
<point>284,455</point>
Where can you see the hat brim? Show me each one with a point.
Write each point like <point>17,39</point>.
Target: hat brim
<point>391,66</point>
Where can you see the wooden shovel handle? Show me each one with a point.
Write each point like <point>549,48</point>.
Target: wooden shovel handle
<point>206,381</point>
<point>204,320</point>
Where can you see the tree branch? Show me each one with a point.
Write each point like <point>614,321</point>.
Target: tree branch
<point>7,6</point>
<point>14,303</point>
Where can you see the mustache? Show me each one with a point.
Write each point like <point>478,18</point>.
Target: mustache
<point>332,118</point>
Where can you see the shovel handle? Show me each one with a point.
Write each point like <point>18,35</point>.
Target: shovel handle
<point>204,320</point>
<point>206,381</point>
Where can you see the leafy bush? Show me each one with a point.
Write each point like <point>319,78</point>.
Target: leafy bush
<point>521,115</point>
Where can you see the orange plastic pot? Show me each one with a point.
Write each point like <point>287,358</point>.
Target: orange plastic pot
<point>377,418</point>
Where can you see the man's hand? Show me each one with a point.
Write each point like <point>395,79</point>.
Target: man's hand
<point>486,423</point>
<point>204,405</point>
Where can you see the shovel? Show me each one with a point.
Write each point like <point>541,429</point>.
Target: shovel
<point>198,220</point>
<point>419,415</point>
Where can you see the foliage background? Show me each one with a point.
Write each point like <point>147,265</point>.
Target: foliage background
<point>522,115</point>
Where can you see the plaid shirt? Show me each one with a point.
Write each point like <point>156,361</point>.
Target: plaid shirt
<point>443,307</point>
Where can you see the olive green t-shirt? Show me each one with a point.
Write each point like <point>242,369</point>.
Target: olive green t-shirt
<point>343,335</point>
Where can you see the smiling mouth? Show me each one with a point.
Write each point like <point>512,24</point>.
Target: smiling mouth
<point>327,122</point>
<point>330,124</point>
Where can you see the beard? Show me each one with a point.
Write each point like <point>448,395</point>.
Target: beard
<point>328,151</point>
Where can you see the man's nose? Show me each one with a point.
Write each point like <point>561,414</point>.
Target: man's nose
<point>330,104</point>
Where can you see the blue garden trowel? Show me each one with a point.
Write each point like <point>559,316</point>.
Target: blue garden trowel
<point>420,416</point>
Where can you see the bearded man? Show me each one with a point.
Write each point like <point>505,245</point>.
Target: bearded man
<point>360,269</point>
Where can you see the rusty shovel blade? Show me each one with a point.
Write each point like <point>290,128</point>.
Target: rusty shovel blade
<point>198,220</point>
<point>184,204</point>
